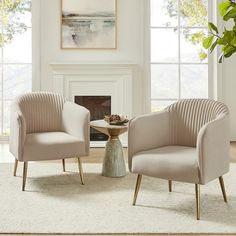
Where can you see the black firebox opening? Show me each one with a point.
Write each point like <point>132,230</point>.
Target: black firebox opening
<point>99,106</point>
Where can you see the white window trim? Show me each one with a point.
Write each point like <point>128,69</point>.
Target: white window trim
<point>217,68</point>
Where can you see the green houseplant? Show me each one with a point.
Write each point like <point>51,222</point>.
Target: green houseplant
<point>227,39</point>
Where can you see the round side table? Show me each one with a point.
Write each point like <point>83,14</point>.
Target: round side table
<point>113,163</point>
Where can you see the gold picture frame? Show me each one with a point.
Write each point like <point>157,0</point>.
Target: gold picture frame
<point>92,25</point>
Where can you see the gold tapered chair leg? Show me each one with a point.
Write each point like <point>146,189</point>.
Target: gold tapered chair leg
<point>138,182</point>
<point>63,165</point>
<point>24,175</point>
<point>170,185</point>
<point>81,171</point>
<point>197,192</point>
<point>15,167</point>
<point>222,185</point>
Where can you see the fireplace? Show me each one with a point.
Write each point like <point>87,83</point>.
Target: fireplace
<point>99,79</point>
<point>99,106</point>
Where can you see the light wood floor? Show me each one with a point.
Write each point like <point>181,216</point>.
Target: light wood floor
<point>96,156</point>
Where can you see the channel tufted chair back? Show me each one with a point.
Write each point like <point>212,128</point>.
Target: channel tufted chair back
<point>42,111</point>
<point>188,116</point>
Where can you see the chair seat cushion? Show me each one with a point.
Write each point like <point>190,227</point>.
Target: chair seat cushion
<point>52,145</point>
<point>178,163</point>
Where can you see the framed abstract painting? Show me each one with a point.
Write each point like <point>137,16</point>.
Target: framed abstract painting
<point>88,24</point>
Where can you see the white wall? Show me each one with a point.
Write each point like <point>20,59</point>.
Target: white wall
<point>229,91</point>
<point>130,45</point>
<point>227,78</point>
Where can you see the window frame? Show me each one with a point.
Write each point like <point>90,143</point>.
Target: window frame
<point>214,70</point>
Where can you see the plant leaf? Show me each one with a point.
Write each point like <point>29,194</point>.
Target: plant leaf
<point>202,55</point>
<point>223,7</point>
<point>213,46</point>
<point>208,41</point>
<point>228,50</point>
<point>211,27</point>
<point>228,37</point>
<point>229,54</point>
<point>222,41</point>
<point>221,58</point>
<point>233,42</point>
<point>230,14</point>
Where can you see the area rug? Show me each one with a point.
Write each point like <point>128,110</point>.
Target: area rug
<point>56,202</point>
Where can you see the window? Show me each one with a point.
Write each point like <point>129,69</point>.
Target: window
<point>15,55</point>
<point>179,64</point>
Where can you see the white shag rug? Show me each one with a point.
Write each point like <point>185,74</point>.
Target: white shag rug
<point>56,202</point>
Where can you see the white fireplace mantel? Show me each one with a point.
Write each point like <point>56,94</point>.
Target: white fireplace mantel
<point>120,68</point>
<point>118,64</point>
<point>96,79</point>
<point>71,79</point>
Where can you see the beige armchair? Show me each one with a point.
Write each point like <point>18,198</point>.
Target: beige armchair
<point>44,126</point>
<point>188,142</point>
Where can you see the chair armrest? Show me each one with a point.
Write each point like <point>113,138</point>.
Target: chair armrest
<point>213,149</point>
<point>75,121</point>
<point>17,132</point>
<point>148,132</point>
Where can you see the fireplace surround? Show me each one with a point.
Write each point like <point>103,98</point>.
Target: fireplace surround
<point>114,80</point>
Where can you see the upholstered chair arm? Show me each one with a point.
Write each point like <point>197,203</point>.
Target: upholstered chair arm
<point>75,121</point>
<point>213,149</point>
<point>17,132</point>
<point>148,132</point>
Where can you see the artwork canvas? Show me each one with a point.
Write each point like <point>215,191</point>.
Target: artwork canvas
<point>88,24</point>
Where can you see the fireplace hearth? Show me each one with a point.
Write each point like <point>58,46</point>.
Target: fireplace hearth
<point>99,106</point>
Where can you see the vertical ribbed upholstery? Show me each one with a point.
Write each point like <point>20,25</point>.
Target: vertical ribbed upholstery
<point>42,111</point>
<point>187,116</point>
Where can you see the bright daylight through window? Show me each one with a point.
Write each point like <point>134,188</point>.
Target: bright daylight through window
<point>179,64</point>
<point>15,55</point>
